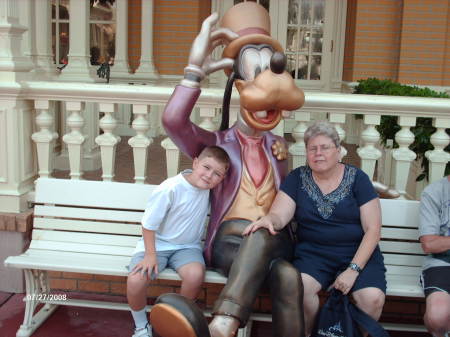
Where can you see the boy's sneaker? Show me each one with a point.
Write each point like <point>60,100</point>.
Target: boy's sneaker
<point>143,332</point>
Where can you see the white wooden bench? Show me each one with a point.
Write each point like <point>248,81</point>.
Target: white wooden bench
<point>92,227</point>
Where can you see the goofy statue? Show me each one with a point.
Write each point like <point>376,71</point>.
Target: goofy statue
<point>255,63</point>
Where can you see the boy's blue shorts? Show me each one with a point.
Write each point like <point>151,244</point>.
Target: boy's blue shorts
<point>174,259</point>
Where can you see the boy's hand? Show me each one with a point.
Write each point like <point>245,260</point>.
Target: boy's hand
<point>148,265</point>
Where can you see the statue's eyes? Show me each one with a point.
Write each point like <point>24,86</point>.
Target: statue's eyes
<point>254,61</point>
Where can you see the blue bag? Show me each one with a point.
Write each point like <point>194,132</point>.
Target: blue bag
<point>341,318</point>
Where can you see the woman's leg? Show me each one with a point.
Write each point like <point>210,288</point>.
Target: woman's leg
<point>370,300</point>
<point>311,288</point>
<point>192,276</point>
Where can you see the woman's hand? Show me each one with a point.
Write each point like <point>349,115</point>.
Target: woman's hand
<point>264,222</point>
<point>345,281</point>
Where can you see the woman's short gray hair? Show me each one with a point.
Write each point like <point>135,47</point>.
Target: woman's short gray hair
<point>322,128</point>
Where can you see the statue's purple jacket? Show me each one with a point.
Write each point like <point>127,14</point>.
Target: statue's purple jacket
<point>191,140</point>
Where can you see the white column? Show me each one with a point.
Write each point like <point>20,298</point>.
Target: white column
<point>44,138</point>
<point>438,157</point>
<point>27,19</point>
<point>79,68</point>
<point>403,156</point>
<point>369,154</point>
<point>146,68</point>
<point>14,66</point>
<point>18,167</point>
<point>297,149</point>
<point>120,69</point>
<point>108,141</point>
<point>337,120</point>
<point>172,157</point>
<point>42,33</point>
<point>140,142</point>
<point>75,139</point>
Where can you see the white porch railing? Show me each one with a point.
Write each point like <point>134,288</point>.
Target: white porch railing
<point>146,101</point>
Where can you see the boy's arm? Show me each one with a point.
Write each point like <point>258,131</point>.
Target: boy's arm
<point>150,262</point>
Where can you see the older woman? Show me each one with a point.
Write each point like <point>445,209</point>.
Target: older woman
<point>339,221</point>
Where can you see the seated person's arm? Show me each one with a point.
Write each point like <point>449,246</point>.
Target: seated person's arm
<point>371,224</point>
<point>281,212</point>
<point>149,263</point>
<point>435,243</point>
<point>429,228</point>
<point>370,213</point>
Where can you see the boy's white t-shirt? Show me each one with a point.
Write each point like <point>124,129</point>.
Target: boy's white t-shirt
<point>177,212</point>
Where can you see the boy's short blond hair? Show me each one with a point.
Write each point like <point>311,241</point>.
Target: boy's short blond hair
<point>217,153</point>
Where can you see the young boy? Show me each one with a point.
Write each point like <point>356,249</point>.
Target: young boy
<point>172,228</point>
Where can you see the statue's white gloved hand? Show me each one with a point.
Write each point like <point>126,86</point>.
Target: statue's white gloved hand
<point>200,60</point>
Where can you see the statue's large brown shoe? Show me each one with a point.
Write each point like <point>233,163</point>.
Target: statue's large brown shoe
<point>174,316</point>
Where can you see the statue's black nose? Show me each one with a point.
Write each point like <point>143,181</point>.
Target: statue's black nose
<point>278,62</point>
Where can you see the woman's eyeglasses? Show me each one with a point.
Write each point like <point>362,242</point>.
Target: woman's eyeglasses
<point>323,148</point>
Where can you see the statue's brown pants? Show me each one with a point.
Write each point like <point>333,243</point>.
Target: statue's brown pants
<point>252,261</point>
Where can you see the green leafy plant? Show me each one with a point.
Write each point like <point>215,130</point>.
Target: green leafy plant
<point>389,126</point>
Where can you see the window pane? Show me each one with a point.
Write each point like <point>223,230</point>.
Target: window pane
<point>305,12</point>
<point>102,43</point>
<point>292,38</point>
<point>103,10</point>
<point>53,9</point>
<point>304,40</point>
<point>317,38</point>
<point>315,67</point>
<point>293,12</point>
<point>319,12</point>
<point>64,9</point>
<point>302,67</point>
<point>54,42</point>
<point>63,42</point>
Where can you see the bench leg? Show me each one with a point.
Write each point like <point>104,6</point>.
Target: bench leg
<point>36,286</point>
<point>246,331</point>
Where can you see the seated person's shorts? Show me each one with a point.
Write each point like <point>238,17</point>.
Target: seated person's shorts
<point>435,279</point>
<point>174,259</point>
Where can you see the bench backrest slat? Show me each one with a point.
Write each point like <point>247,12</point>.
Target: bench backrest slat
<point>87,213</point>
<point>85,193</point>
<point>403,260</point>
<point>404,271</point>
<point>88,226</point>
<point>401,247</point>
<point>88,238</point>
<point>81,248</point>
<point>399,234</point>
<point>400,213</point>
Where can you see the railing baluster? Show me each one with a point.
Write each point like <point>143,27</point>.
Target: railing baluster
<point>438,157</point>
<point>140,142</point>
<point>172,156</point>
<point>297,149</point>
<point>337,119</point>
<point>403,156</point>
<point>75,139</point>
<point>369,154</point>
<point>207,113</point>
<point>108,141</point>
<point>44,138</point>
